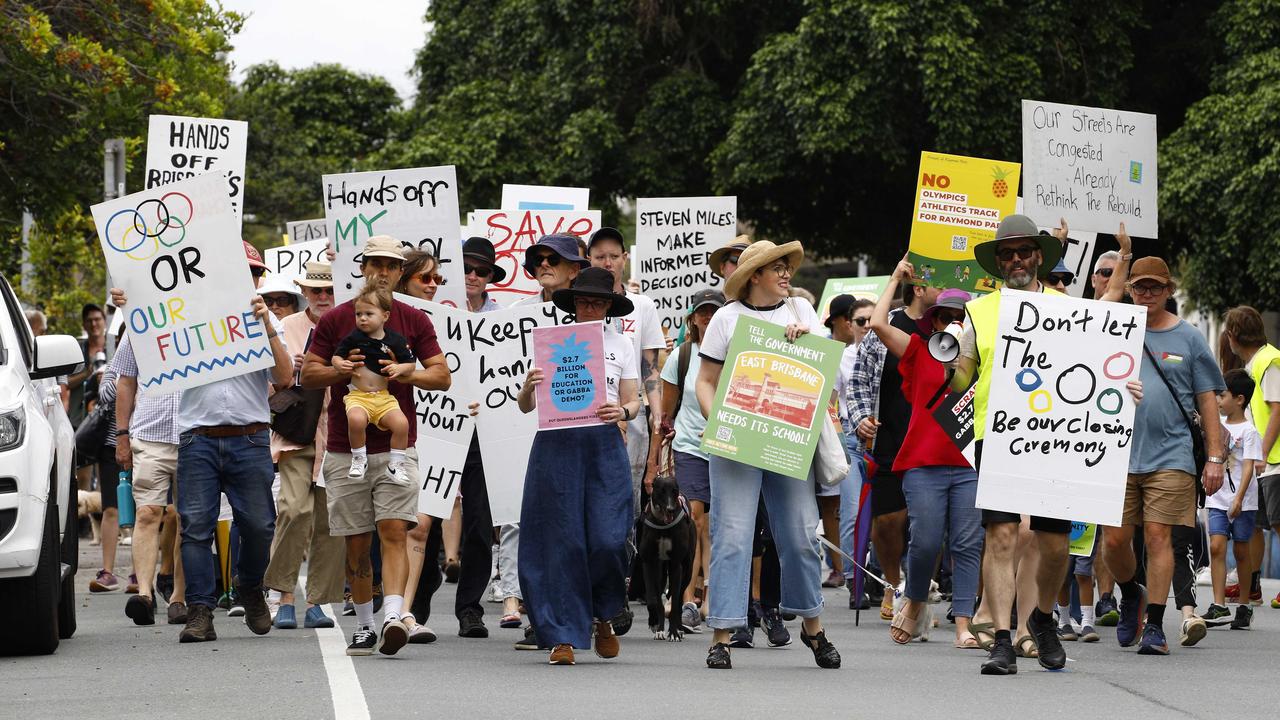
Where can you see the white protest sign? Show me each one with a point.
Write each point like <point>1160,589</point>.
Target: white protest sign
<point>183,147</point>
<point>290,261</point>
<point>1078,255</point>
<point>300,231</point>
<point>445,424</point>
<point>417,206</point>
<point>175,250</point>
<point>1094,166</point>
<point>544,197</point>
<point>499,352</point>
<point>513,231</point>
<point>674,239</point>
<point>1059,420</point>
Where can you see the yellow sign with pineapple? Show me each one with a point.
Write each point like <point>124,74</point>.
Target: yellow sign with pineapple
<point>959,204</point>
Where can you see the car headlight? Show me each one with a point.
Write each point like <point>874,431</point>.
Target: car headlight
<point>12,427</point>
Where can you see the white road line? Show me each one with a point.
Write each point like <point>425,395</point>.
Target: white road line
<point>344,684</point>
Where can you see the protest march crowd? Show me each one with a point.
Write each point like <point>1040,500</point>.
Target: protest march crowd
<point>720,451</point>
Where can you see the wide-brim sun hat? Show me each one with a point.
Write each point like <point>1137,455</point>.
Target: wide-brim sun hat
<point>736,245</point>
<point>597,283</point>
<point>564,245</point>
<point>947,300</point>
<point>1018,227</point>
<point>757,255</point>
<point>273,283</point>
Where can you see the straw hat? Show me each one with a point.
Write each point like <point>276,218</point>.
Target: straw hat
<point>735,245</point>
<point>317,275</point>
<point>757,255</point>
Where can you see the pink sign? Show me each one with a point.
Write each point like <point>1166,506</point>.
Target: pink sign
<point>573,380</point>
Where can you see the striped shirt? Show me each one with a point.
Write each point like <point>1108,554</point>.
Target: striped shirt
<point>154,414</point>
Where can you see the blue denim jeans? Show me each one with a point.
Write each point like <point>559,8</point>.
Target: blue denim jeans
<point>942,500</point>
<point>240,467</point>
<point>793,520</point>
<point>850,489</point>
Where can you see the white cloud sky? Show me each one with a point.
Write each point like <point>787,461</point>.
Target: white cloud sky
<point>379,37</point>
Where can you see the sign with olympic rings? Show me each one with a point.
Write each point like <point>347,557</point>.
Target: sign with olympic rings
<point>1059,415</point>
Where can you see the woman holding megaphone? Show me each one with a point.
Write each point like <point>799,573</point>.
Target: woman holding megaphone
<point>940,486</point>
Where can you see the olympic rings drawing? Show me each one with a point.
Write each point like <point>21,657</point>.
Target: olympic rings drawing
<point>1106,366</point>
<point>1027,379</point>
<point>1048,402</point>
<point>1119,401</point>
<point>169,227</point>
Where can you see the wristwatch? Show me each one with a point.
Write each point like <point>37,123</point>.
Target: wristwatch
<point>1215,459</point>
<point>626,414</point>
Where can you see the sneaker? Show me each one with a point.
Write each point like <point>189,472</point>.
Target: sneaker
<point>1153,641</point>
<point>718,657</point>
<point>1049,647</point>
<point>132,587</point>
<point>397,474</point>
<point>348,606</point>
<point>622,621</point>
<point>177,613</point>
<point>421,635</point>
<point>104,582</point>
<point>256,614</point>
<point>363,641</point>
<point>1275,602</point>
<point>316,618</point>
<point>743,637</point>
<point>1233,592</point>
<point>496,594</point>
<point>1067,633</point>
<point>1255,597</point>
<point>1001,660</point>
<point>1193,631</point>
<point>1244,618</point>
<point>834,580</point>
<point>470,625</point>
<point>199,625</point>
<point>141,609</point>
<point>1088,634</point>
<point>394,636</point>
<point>690,618</point>
<point>530,639</point>
<point>1132,611</point>
<point>164,586</point>
<point>824,653</point>
<point>1216,612</point>
<point>452,568</point>
<point>606,643</point>
<point>775,629</point>
<point>1107,612</point>
<point>359,463</point>
<point>286,618</point>
<point>561,655</point>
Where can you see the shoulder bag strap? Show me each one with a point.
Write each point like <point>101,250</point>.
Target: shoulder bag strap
<point>1185,417</point>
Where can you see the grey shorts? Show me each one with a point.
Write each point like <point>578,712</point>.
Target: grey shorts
<point>1268,502</point>
<point>356,505</point>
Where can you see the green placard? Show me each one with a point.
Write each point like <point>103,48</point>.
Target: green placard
<point>1083,537</point>
<point>771,397</point>
<point>859,287</point>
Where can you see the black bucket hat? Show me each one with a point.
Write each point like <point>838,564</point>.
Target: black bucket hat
<point>478,248</point>
<point>597,283</point>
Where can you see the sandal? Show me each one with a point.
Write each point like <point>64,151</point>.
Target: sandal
<point>969,642</point>
<point>718,657</point>
<point>824,653</point>
<point>1032,652</point>
<point>903,623</point>
<point>510,620</point>
<point>984,633</point>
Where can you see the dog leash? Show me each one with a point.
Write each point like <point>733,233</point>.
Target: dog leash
<point>858,565</point>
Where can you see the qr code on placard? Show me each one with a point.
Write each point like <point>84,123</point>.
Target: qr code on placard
<point>724,433</point>
<point>959,243</point>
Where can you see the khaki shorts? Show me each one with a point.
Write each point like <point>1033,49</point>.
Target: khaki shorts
<point>1162,496</point>
<point>357,504</point>
<point>375,404</point>
<point>155,472</point>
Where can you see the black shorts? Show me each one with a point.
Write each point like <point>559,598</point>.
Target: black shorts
<point>108,479</point>
<point>1038,523</point>
<point>886,493</point>
<point>1268,515</point>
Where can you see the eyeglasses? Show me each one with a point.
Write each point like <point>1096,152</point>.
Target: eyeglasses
<point>593,303</point>
<point>277,299</point>
<point>1104,272</point>
<point>1148,289</point>
<point>320,290</point>
<point>427,278</point>
<point>859,321</point>
<point>1024,253</point>
<point>946,317</point>
<point>1059,279</point>
<point>481,271</point>
<point>780,269</point>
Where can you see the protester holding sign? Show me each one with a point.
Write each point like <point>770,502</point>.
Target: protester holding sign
<point>940,486</point>
<point>760,289</point>
<point>577,502</point>
<point>358,506</point>
<point>280,295</point>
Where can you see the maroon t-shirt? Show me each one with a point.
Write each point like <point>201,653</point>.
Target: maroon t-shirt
<point>335,325</point>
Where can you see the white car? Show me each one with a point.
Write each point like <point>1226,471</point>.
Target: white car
<point>39,545</point>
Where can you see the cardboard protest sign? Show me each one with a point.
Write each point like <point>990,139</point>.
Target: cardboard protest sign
<point>674,238</point>
<point>959,204</point>
<point>573,383</point>
<point>865,288</point>
<point>445,425</point>
<point>498,349</point>
<point>1094,166</point>
<point>544,197</point>
<point>1077,257</point>
<point>771,397</point>
<point>1059,418</point>
<point>954,414</point>
<point>290,261</point>
<point>300,231</point>
<point>417,206</point>
<point>513,231</point>
<point>175,250</point>
<point>1083,537</point>
<point>183,147</point>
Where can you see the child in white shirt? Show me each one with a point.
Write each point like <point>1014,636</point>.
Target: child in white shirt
<point>1232,509</point>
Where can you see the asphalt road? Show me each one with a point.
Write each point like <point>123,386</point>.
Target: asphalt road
<point>112,668</point>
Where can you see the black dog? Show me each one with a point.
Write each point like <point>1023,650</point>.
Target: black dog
<point>666,547</point>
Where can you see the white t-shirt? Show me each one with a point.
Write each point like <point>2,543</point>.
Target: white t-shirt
<point>641,326</point>
<point>689,421</point>
<point>847,359</point>
<point>1243,443</point>
<point>715,345</point>
<point>619,362</point>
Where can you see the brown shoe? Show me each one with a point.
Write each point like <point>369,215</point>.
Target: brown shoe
<point>562,655</point>
<point>177,613</point>
<point>606,644</point>
<point>199,625</point>
<point>256,613</point>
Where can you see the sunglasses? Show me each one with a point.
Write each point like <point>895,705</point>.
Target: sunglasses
<point>1104,272</point>
<point>320,290</point>
<point>277,299</point>
<point>482,271</point>
<point>593,303</point>
<point>1059,279</point>
<point>859,321</point>
<point>733,259</point>
<point>427,278</point>
<point>946,317</point>
<point>551,259</point>
<point>258,272</point>
<point>1148,289</point>
<point>1023,253</point>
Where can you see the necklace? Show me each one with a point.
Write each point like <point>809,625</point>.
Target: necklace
<point>761,310</point>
